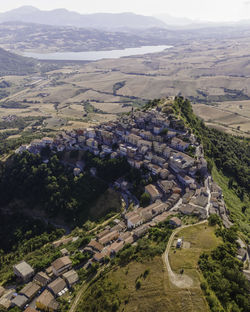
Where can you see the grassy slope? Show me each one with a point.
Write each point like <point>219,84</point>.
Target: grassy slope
<point>202,239</point>
<point>15,64</point>
<point>233,203</point>
<point>156,292</point>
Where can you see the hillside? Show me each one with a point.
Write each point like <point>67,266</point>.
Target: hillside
<point>12,64</point>
<point>63,17</point>
<point>166,245</point>
<point>22,36</point>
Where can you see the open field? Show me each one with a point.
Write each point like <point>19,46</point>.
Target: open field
<point>198,239</point>
<point>156,293</point>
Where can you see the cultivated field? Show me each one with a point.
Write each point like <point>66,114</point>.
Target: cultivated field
<point>215,75</point>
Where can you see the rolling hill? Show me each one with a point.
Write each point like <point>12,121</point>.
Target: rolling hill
<point>11,63</point>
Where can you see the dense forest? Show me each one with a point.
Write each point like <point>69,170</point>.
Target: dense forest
<point>223,274</point>
<point>26,181</point>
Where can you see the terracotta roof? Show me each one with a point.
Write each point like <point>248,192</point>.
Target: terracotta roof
<point>117,246</point>
<point>99,256</point>
<point>42,278</point>
<point>29,309</point>
<point>124,236</point>
<point>57,285</point>
<point>61,262</point>
<point>135,219</point>
<point>129,240</point>
<point>176,220</point>
<point>71,277</point>
<point>103,233</point>
<point>152,190</point>
<point>47,300</point>
<point>95,245</point>
<point>109,237</point>
<point>30,289</point>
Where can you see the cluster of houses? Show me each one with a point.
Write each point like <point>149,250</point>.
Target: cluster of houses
<point>133,226</point>
<point>41,289</point>
<point>152,140</point>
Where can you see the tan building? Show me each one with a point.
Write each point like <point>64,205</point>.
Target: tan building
<point>23,270</point>
<point>30,290</point>
<point>99,257</point>
<point>29,309</point>
<point>57,286</point>
<point>61,265</point>
<point>175,221</point>
<point>153,192</point>
<point>42,278</point>
<point>108,238</point>
<point>71,277</point>
<point>134,220</point>
<point>46,302</point>
<point>96,246</point>
<point>116,247</point>
<point>20,301</point>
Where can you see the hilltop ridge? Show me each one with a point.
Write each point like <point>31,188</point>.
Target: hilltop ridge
<point>63,17</point>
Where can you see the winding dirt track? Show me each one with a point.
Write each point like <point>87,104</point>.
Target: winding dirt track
<point>179,280</point>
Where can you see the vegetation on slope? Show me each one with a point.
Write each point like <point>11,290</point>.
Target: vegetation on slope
<point>230,157</point>
<point>108,294</point>
<point>223,274</point>
<point>26,181</point>
<point>12,64</point>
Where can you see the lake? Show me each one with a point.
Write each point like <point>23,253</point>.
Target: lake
<point>96,55</point>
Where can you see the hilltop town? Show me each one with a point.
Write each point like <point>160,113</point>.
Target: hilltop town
<point>154,141</point>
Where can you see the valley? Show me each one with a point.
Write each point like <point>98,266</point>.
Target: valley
<point>77,94</point>
<point>124,170</point>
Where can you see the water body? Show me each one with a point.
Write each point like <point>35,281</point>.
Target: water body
<point>96,55</point>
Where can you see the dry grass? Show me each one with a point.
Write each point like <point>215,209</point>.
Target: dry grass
<point>156,293</point>
<point>202,239</point>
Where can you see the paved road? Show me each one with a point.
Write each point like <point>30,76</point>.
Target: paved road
<point>179,280</point>
<point>209,196</point>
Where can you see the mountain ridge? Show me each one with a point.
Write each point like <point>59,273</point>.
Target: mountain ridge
<point>63,17</point>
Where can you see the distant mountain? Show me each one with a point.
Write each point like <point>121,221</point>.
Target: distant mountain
<point>63,17</point>
<point>13,64</point>
<point>173,22</point>
<point>170,20</point>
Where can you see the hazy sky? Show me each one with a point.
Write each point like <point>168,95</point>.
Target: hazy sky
<point>213,10</point>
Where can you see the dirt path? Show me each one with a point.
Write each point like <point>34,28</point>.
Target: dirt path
<point>78,297</point>
<point>179,280</point>
<point>104,223</point>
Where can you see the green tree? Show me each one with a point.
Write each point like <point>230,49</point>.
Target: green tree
<point>145,200</point>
